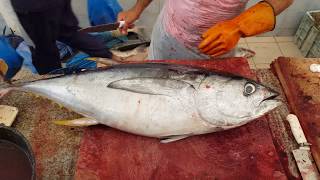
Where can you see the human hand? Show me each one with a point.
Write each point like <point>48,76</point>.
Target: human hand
<point>129,16</point>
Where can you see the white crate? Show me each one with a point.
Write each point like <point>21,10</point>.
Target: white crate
<point>307,35</point>
<point>303,30</point>
<point>315,49</point>
<point>309,41</point>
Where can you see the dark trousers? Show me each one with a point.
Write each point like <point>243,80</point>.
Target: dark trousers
<point>58,23</point>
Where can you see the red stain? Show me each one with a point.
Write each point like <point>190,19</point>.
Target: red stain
<point>231,154</point>
<point>241,153</point>
<point>237,66</point>
<point>207,86</point>
<point>300,103</point>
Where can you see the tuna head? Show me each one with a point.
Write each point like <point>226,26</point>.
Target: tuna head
<point>232,101</point>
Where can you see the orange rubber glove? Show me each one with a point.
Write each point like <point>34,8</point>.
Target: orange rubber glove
<point>224,36</point>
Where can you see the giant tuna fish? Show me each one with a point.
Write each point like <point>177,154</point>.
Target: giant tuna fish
<point>169,102</point>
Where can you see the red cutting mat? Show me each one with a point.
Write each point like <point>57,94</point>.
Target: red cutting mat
<point>242,153</point>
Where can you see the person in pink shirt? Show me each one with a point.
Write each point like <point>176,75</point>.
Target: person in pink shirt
<point>203,29</point>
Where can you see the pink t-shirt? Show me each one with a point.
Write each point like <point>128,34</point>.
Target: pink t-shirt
<point>186,20</point>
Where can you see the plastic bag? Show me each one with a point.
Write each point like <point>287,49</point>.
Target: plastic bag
<point>25,52</point>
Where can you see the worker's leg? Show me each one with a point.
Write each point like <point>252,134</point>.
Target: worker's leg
<point>43,31</point>
<point>164,46</point>
<point>79,40</point>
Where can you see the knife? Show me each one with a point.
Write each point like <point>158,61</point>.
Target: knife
<point>103,27</point>
<point>302,155</point>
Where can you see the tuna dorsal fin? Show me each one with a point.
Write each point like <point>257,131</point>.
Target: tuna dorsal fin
<point>151,86</point>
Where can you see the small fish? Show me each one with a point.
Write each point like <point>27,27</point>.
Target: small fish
<point>170,102</point>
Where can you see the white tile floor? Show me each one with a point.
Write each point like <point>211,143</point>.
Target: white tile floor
<point>268,49</point>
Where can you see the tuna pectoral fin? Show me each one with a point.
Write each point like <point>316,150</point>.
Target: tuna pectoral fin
<point>170,139</point>
<point>152,86</point>
<point>77,122</point>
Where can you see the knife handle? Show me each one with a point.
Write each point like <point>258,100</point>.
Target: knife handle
<point>121,24</point>
<point>297,130</point>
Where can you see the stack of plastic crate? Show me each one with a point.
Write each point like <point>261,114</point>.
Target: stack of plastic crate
<point>307,37</point>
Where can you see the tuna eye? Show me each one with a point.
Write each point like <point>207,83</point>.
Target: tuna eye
<point>249,88</point>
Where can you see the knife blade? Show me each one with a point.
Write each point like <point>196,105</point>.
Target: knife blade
<point>103,27</point>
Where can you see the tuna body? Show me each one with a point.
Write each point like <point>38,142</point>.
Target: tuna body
<point>159,100</point>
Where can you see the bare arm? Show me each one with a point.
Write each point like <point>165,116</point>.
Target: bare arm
<point>279,5</point>
<point>141,5</point>
<point>131,15</point>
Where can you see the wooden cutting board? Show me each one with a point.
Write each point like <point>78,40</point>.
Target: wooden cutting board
<point>247,152</point>
<point>302,89</point>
